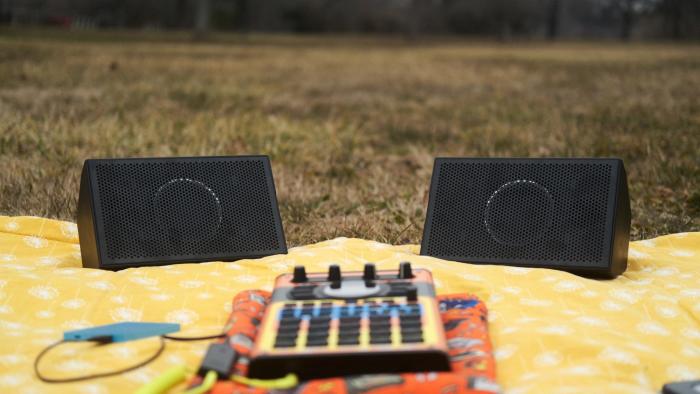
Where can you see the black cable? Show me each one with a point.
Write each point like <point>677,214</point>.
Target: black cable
<point>223,334</point>
<point>38,358</point>
<point>105,340</point>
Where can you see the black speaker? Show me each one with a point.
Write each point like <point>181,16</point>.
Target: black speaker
<point>568,214</point>
<point>155,211</point>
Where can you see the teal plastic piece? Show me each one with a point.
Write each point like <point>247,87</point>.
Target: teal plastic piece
<point>121,332</point>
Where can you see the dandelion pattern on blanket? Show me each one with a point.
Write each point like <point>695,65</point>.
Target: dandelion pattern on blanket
<point>549,328</point>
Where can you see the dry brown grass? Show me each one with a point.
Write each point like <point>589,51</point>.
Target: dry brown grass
<point>351,124</point>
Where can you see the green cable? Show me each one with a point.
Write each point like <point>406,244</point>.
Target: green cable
<point>164,382</point>
<point>208,382</point>
<point>287,382</point>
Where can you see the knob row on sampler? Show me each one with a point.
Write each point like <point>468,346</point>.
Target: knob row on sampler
<point>369,273</point>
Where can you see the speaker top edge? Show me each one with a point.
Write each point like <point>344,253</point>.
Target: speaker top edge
<point>169,158</point>
<point>527,159</point>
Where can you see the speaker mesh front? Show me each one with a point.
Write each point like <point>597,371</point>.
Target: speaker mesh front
<point>537,212</point>
<point>184,208</point>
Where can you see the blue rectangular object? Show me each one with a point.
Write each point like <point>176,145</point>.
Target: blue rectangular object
<point>122,332</point>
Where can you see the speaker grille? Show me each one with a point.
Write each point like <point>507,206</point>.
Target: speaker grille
<point>185,208</point>
<point>533,212</point>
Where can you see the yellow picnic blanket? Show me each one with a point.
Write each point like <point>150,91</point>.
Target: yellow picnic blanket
<point>552,331</point>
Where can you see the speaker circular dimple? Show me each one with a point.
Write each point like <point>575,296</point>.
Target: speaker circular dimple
<point>519,212</point>
<point>187,210</point>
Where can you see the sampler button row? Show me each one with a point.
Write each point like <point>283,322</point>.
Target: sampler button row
<point>342,325</point>
<point>351,310</point>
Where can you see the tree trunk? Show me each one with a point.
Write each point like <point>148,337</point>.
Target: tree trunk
<point>243,18</point>
<point>201,20</point>
<point>553,19</point>
<point>181,10</point>
<point>627,20</point>
<point>676,15</point>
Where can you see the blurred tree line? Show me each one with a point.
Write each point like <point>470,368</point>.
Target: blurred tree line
<point>625,19</point>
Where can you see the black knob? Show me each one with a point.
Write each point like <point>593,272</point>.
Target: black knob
<point>405,271</point>
<point>334,274</point>
<point>299,274</point>
<point>412,294</point>
<point>370,272</point>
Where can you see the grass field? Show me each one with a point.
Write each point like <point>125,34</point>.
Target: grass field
<point>351,124</point>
